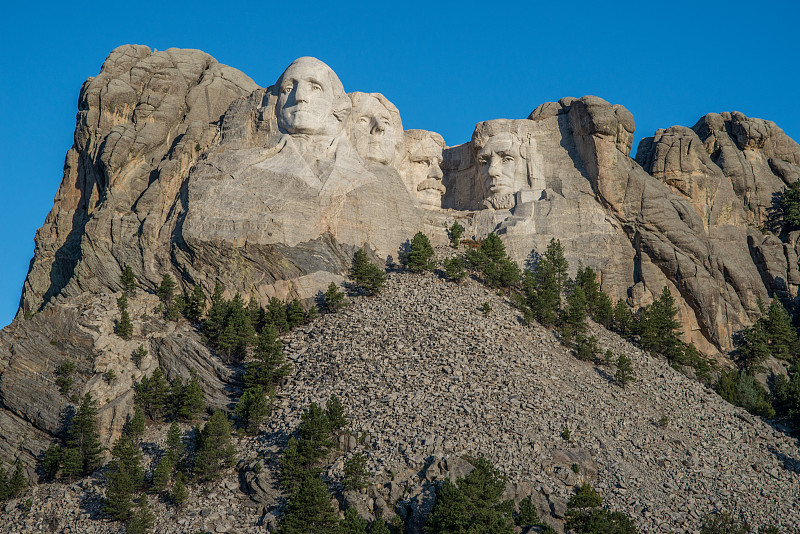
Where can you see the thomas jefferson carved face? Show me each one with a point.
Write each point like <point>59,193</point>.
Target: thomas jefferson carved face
<point>309,93</point>
<point>424,174</point>
<point>499,166</point>
<point>374,133</point>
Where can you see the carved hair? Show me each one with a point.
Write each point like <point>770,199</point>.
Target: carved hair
<point>421,135</point>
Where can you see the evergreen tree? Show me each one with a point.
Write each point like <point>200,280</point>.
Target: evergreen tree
<point>175,446</point>
<point>380,527</point>
<point>253,408</point>
<point>195,304</point>
<point>455,233</point>
<point>789,207</point>
<point>624,372</point>
<point>454,269</point>
<point>787,395</point>
<point>269,366</point>
<point>136,424</point>
<point>215,321</point>
<point>472,504</point>
<point>598,304</point>
<point>573,320</point>
<point>334,410</point>
<point>355,472</point>
<point>179,493</point>
<point>215,451</point>
<point>527,513</point>
<point>122,303</point>
<point>585,516</point>
<point>142,519</point>
<point>292,465</point>
<point>309,509</point>
<point>82,454</point>
<point>623,319</point>
<point>124,327</point>
<point>276,314</point>
<point>5,492</point>
<point>421,255</point>
<point>152,394</point>
<point>752,347</point>
<point>352,523</point>
<point>543,287</point>
<point>658,327</point>
<point>128,281</point>
<point>166,290</point>
<point>366,274</point>
<point>18,482</point>
<point>314,433</point>
<point>138,355</point>
<point>782,335</point>
<point>188,399</point>
<point>295,314</point>
<point>162,474</point>
<point>603,310</point>
<point>722,523</point>
<point>125,477</point>
<point>64,379</point>
<point>334,298</point>
<point>51,461</point>
<point>237,332</point>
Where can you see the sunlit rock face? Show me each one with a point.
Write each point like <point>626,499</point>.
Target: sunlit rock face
<point>422,168</point>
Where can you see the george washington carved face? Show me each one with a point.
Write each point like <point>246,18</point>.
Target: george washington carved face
<point>311,99</point>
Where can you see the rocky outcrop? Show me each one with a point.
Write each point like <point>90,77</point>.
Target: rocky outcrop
<point>142,123</point>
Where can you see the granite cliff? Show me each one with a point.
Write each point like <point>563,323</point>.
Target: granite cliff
<point>182,165</point>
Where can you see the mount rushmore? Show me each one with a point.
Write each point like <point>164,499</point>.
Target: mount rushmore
<point>183,165</point>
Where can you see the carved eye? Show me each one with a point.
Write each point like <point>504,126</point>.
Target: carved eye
<point>363,120</point>
<point>286,89</point>
<point>508,158</point>
<point>316,87</point>
<point>483,161</point>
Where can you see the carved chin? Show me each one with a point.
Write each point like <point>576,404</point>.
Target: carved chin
<point>501,202</point>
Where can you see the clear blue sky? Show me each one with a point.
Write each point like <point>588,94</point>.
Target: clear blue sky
<point>445,65</point>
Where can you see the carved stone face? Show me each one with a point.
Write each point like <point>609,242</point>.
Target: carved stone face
<point>498,163</point>
<point>425,172</point>
<point>306,99</point>
<point>374,134</point>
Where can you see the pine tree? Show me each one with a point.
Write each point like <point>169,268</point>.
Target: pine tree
<point>18,482</point>
<point>782,335</point>
<point>659,329</point>
<point>269,366</point>
<point>136,424</point>
<point>276,314</point>
<point>5,492</point>
<point>472,504</point>
<point>623,319</point>
<point>295,314</point>
<point>124,326</point>
<point>543,287</point>
<point>237,332</point>
<point>82,454</point>
<point>195,304</point>
<point>162,474</point>
<point>292,465</point>
<point>366,274</point>
<point>455,234</point>
<point>128,281</point>
<point>51,461</point>
<point>189,399</point>
<point>624,372</point>
<point>64,379</point>
<point>352,523</point>
<point>138,355</point>
<point>122,303</point>
<point>355,472</point>
<point>454,269</point>
<point>573,320</point>
<point>179,493</point>
<point>152,394</point>
<point>334,298</point>
<point>166,290</point>
<point>215,451</point>
<point>253,408</point>
<point>215,321</point>
<point>789,206</point>
<point>125,477</point>
<point>314,433</point>
<point>309,509</point>
<point>142,519</point>
<point>421,255</point>
<point>334,410</point>
<point>175,446</point>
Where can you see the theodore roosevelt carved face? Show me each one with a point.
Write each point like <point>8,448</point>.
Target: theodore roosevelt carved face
<point>423,172</point>
<point>376,132</point>
<point>311,99</point>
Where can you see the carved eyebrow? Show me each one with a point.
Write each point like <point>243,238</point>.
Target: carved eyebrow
<point>314,80</point>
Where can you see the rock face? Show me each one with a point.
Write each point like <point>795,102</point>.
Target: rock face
<point>182,165</point>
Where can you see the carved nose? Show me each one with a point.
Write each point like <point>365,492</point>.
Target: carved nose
<point>494,168</point>
<point>377,128</point>
<point>434,171</point>
<point>300,94</point>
